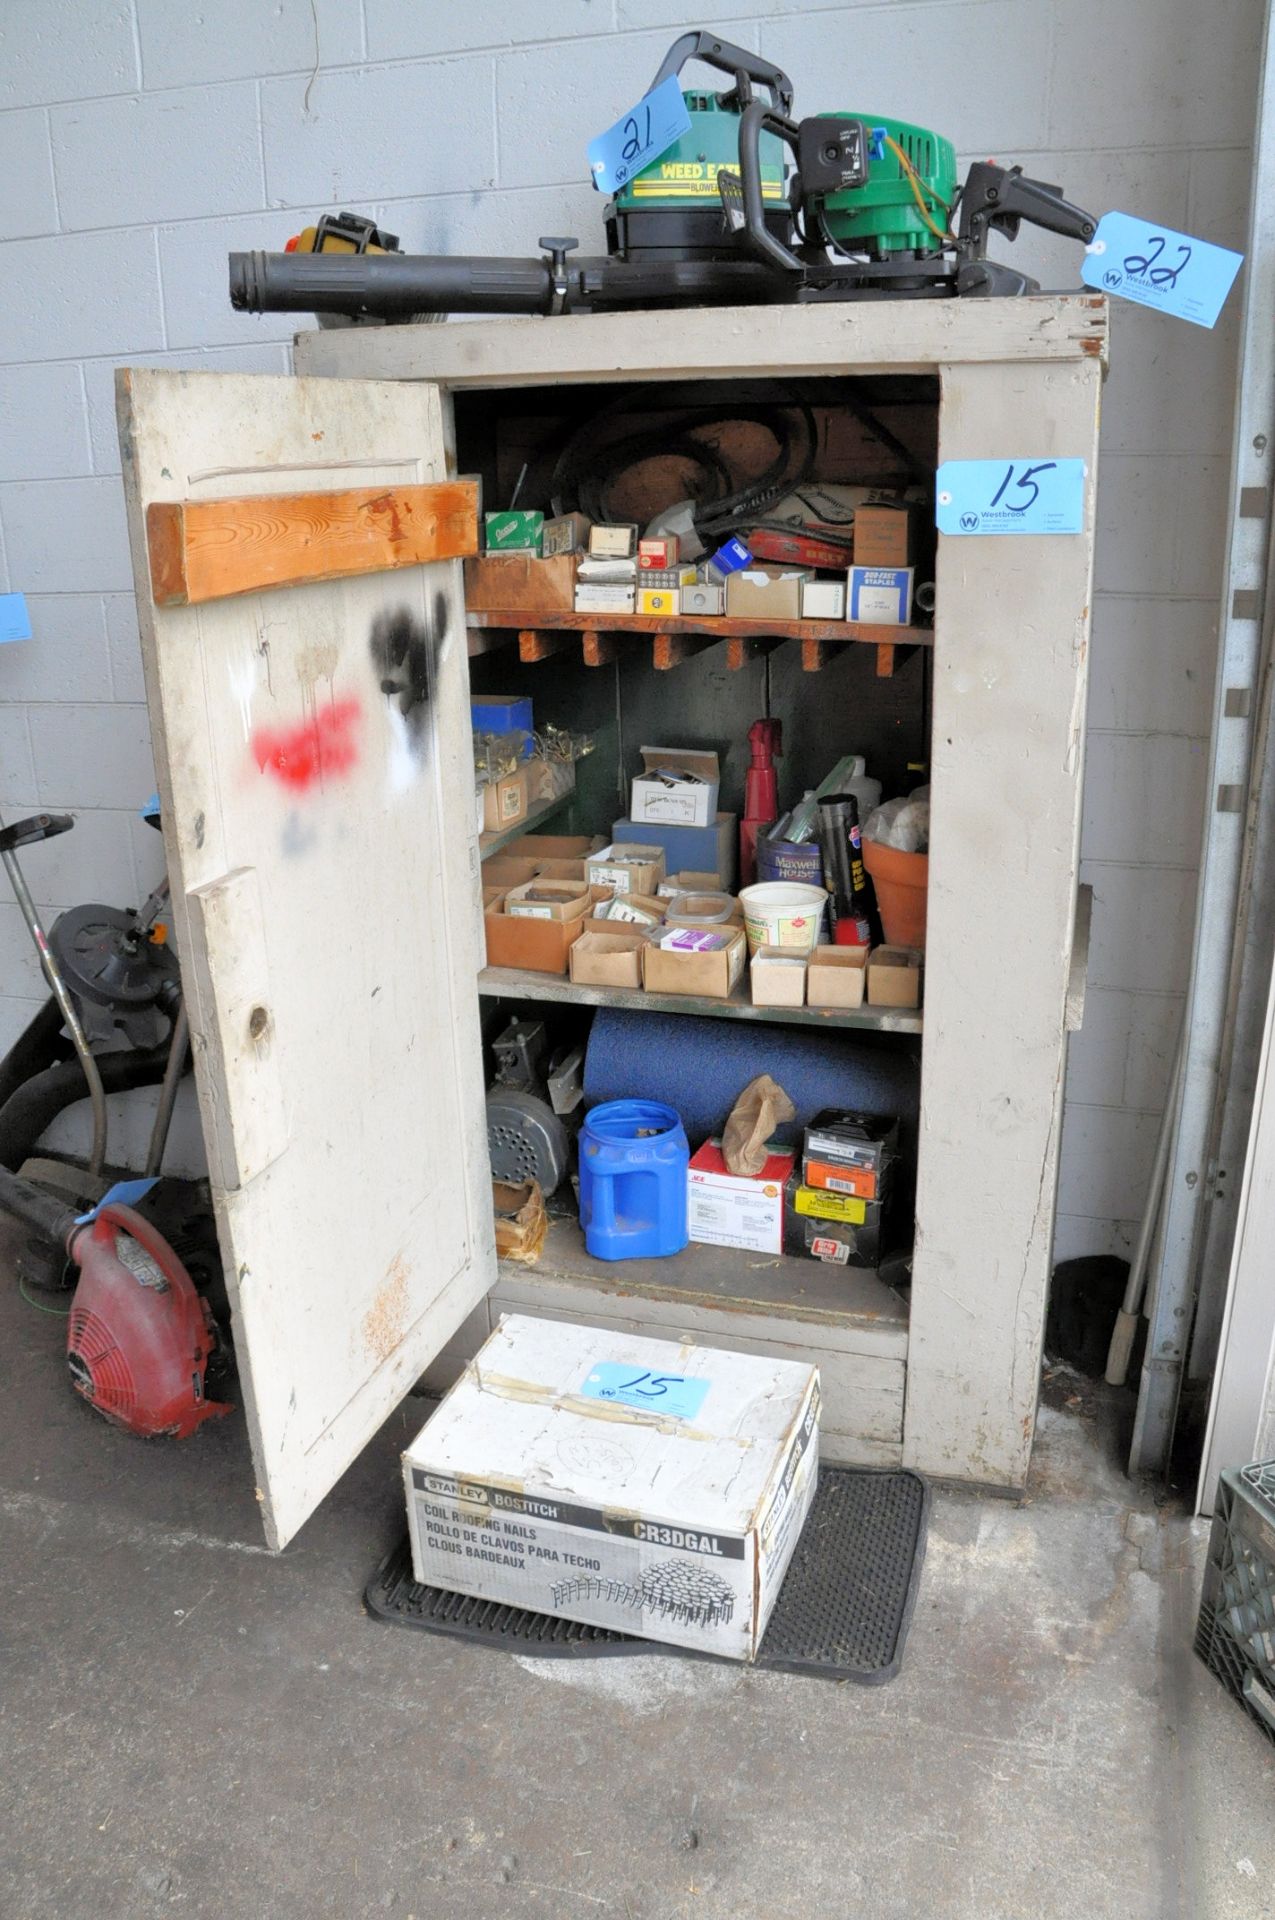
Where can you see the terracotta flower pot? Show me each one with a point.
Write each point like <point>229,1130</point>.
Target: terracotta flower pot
<point>901,880</point>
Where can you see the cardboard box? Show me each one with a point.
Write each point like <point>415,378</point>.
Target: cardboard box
<point>505,801</point>
<point>539,946</point>
<point>678,786</point>
<point>604,599</point>
<point>501,713</point>
<point>806,546</point>
<point>569,533</point>
<point>687,880</point>
<point>894,977</point>
<point>711,849</point>
<point>757,593</point>
<point>843,1243</point>
<point>705,597</point>
<point>675,577</point>
<point>882,537</point>
<point>819,1203</point>
<point>837,976</point>
<point>633,868</point>
<point>725,1209</point>
<point>612,543</point>
<point>506,870</point>
<point>778,977</point>
<point>823,600</point>
<point>519,582</point>
<point>836,1182</point>
<point>607,956</point>
<point>880,596</point>
<point>713,971</point>
<point>633,910</point>
<point>852,1139</point>
<point>729,558</point>
<point>518,528</point>
<point>664,603</point>
<point>554,846</point>
<point>544,899</point>
<point>673,1517</point>
<point>658,553</point>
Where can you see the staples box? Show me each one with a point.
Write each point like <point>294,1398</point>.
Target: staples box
<point>880,596</point>
<point>653,1488</point>
<point>725,1209</point>
<point>677,785</point>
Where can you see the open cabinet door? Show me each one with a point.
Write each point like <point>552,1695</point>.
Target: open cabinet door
<point>312,746</point>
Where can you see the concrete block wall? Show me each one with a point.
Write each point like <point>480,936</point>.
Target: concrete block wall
<point>140,140</point>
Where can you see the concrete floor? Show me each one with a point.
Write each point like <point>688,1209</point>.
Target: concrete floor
<point>189,1725</point>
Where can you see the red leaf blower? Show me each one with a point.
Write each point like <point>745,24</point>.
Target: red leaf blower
<point>138,1335</point>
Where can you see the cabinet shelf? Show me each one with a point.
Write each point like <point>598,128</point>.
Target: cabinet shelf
<point>540,635</point>
<point>519,983</point>
<point>489,843</point>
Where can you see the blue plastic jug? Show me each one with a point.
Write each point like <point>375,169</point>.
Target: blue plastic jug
<point>633,1157</point>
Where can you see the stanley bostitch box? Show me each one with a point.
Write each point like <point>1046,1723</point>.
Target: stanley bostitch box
<point>629,1483</point>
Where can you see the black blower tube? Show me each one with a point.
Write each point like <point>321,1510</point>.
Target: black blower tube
<point>395,286</point>
<point>39,1045</point>
<point>35,1208</point>
<point>27,1113</point>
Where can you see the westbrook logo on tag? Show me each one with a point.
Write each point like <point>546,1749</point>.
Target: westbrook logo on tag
<point>969,523</point>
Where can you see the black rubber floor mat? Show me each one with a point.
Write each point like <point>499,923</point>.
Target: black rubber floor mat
<point>843,1611</point>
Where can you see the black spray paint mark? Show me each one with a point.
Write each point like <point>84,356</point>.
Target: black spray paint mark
<point>404,652</point>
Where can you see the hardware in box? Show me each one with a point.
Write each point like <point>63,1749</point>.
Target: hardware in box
<point>842,1243</point>
<point>763,594</point>
<point>631,909</point>
<point>500,713</point>
<point>725,1209</point>
<point>706,597</point>
<point>729,558</point>
<point>880,596</point>
<point>711,849</point>
<point>536,946</point>
<point>542,899</point>
<point>851,1138</point>
<point>505,801</point>
<point>823,600</point>
<point>569,533</point>
<point>634,868</point>
<point>882,537</point>
<point>607,956</point>
<point>612,542</point>
<point>707,961</point>
<point>674,1517</point>
<point>837,977</point>
<point>777,976</point>
<point>678,786</point>
<point>895,977</point>
<point>663,603</point>
<point>519,582</point>
<point>604,599</point>
<point>515,530</point>
<point>659,553</point>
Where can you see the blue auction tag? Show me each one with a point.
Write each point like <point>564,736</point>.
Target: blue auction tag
<point>658,119</point>
<point>15,621</point>
<point>123,1194</point>
<point>1160,268</point>
<point>675,1395</point>
<point>1010,496</point>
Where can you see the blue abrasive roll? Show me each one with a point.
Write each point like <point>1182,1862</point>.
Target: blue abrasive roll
<point>700,1067</point>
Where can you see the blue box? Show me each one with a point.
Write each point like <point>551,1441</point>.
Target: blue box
<point>880,596</point>
<point>712,849</point>
<point>731,556</point>
<point>499,713</point>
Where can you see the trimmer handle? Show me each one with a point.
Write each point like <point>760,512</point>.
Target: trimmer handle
<point>729,59</point>
<point>36,826</point>
<point>760,239</point>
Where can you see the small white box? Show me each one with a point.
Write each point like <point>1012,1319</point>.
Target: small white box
<point>725,1209</point>
<point>658,1489</point>
<point>677,787</point>
<point>823,600</point>
<point>880,596</point>
<point>604,599</point>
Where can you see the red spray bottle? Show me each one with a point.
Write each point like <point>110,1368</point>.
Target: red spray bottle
<point>761,793</point>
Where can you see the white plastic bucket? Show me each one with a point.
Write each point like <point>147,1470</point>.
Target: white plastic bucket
<point>783,913</point>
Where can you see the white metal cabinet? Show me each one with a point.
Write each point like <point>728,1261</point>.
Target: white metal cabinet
<point>316,780</point>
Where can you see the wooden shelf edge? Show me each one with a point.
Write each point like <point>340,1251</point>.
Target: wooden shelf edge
<point>709,626</point>
<point>518,983</point>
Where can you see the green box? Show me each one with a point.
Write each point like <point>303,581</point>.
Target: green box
<point>513,532</point>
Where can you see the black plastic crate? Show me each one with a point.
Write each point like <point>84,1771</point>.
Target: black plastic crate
<point>1235,1636</point>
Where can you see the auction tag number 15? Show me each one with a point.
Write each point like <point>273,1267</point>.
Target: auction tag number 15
<point>1010,496</point>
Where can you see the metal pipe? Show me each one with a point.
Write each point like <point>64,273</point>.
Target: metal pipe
<point>57,986</point>
<point>1126,1327</point>
<point>178,1045</point>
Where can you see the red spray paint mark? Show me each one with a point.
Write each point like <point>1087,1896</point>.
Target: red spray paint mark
<point>321,748</point>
